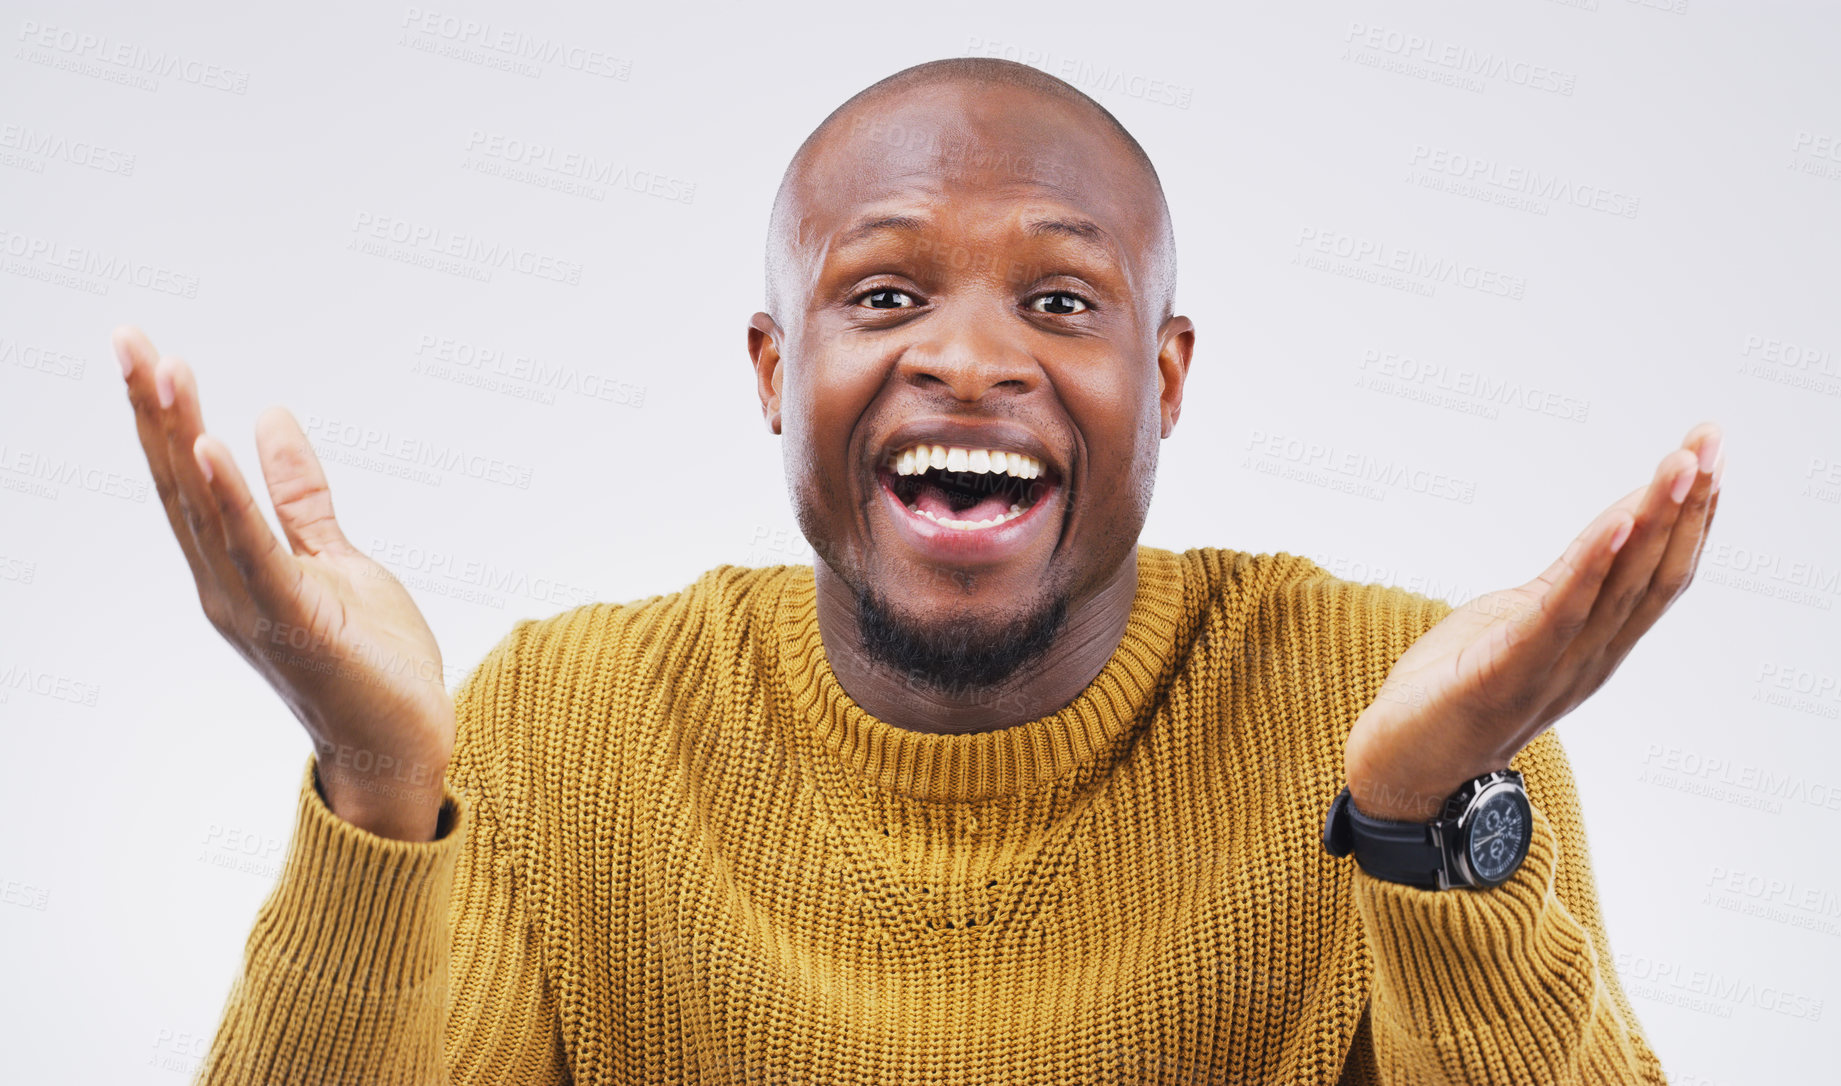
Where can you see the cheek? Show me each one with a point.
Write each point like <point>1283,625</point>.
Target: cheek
<point>1120,421</point>
<point>825,397</point>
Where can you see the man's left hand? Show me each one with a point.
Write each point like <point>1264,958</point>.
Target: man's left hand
<point>1499,670</point>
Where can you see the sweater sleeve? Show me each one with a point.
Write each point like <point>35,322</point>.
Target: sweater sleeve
<point>1507,985</point>
<point>381,961</point>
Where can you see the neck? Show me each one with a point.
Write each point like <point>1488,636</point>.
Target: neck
<point>1091,634</point>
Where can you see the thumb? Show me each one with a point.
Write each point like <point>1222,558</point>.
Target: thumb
<point>297,484</point>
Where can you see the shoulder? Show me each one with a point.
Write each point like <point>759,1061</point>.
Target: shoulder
<point>724,600</point>
<point>1280,590</point>
<point>587,670</point>
<point>1302,599</point>
<point>1291,623</point>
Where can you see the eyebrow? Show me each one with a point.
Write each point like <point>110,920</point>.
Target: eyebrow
<point>1083,230</point>
<point>886,222</point>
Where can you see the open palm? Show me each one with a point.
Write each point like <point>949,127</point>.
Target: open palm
<point>1500,669</point>
<point>333,631</point>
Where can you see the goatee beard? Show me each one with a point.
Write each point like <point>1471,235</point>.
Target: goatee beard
<point>955,657</point>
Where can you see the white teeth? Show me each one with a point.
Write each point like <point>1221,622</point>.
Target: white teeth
<point>956,458</point>
<point>970,525</point>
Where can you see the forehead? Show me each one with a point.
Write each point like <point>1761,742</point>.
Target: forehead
<point>972,148</point>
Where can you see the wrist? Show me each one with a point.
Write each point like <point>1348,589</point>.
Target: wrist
<point>1398,803</point>
<point>1407,794</point>
<point>1476,839</point>
<point>382,807</point>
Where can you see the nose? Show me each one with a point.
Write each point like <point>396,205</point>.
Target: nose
<point>971,351</point>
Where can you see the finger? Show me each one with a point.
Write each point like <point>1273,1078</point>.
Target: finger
<point>1620,512</point>
<point>1675,569</point>
<point>138,358</point>
<point>268,572</point>
<point>1636,562</point>
<point>297,485</point>
<point>184,422</point>
<point>1566,591</point>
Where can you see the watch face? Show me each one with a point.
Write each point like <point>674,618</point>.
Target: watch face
<point>1498,838</point>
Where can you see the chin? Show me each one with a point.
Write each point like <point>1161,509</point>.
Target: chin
<point>958,647</point>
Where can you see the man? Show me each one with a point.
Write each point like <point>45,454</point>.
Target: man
<point>992,792</point>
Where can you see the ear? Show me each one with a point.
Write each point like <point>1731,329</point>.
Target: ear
<point>764,351</point>
<point>1175,343</point>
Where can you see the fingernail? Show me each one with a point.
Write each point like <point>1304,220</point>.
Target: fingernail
<point>163,383</point>
<point>1719,469</point>
<point>1710,451</point>
<point>1682,482</point>
<point>127,362</point>
<point>1623,533</point>
<point>204,464</point>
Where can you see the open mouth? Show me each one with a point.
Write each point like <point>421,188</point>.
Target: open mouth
<point>967,489</point>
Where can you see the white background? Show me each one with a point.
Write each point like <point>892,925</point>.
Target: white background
<point>147,776</point>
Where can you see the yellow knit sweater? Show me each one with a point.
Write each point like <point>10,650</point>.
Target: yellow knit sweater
<point>677,851</point>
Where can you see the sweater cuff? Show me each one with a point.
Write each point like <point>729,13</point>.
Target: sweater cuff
<point>356,910</point>
<point>1461,961</point>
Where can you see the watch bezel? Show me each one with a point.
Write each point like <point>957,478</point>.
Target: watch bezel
<point>1457,843</point>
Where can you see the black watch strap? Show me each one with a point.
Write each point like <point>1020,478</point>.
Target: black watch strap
<point>1403,852</point>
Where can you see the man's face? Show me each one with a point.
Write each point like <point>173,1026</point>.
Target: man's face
<point>970,277</point>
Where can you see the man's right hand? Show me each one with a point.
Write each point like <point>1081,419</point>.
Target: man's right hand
<point>333,631</point>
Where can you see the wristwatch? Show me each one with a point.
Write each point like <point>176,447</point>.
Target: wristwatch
<point>1477,841</point>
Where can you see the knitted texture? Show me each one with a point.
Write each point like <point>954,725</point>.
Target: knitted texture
<point>675,851</point>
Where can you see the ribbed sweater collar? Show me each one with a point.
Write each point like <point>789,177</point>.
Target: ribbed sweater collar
<point>984,765</point>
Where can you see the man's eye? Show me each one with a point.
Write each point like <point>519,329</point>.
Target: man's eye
<point>1059,304</point>
<point>887,299</point>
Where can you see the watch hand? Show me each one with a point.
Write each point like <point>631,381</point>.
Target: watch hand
<point>1492,837</point>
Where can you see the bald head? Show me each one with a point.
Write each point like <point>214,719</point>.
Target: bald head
<point>979,118</point>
